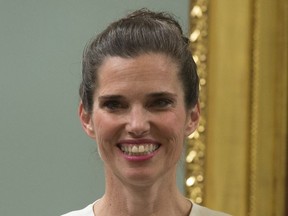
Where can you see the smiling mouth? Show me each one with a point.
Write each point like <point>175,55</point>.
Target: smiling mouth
<point>138,150</point>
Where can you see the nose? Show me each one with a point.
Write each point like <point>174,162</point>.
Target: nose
<point>138,123</point>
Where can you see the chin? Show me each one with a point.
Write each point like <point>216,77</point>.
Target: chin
<point>141,178</point>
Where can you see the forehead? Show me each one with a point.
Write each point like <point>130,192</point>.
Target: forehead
<point>143,68</point>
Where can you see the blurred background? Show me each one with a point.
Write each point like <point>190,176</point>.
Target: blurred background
<point>48,166</point>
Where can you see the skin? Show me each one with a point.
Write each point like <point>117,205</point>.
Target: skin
<point>140,100</point>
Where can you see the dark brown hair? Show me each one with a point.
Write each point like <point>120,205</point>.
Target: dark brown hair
<point>142,31</point>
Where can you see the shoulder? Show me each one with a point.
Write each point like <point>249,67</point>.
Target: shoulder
<point>198,210</point>
<point>87,211</point>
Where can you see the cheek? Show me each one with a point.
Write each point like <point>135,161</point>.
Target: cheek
<point>104,141</point>
<point>174,122</point>
<point>105,134</point>
<point>173,129</point>
<point>104,126</point>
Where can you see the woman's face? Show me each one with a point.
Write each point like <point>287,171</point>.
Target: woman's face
<point>139,120</point>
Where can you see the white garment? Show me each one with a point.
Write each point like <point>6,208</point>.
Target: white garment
<point>197,210</point>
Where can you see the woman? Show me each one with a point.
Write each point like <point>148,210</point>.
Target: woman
<point>139,101</point>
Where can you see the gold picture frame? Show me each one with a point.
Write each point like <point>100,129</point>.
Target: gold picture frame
<point>195,157</point>
<point>236,161</point>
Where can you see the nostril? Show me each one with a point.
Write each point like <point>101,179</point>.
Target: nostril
<point>138,133</point>
<point>138,123</point>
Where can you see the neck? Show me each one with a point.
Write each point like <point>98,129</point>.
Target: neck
<point>157,198</point>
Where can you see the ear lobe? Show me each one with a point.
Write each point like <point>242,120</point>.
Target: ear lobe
<point>192,119</point>
<point>86,122</point>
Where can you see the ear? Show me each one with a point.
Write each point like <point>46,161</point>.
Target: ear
<point>193,117</point>
<point>86,121</point>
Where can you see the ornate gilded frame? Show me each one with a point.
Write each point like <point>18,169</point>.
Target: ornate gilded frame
<point>258,73</point>
<point>195,157</point>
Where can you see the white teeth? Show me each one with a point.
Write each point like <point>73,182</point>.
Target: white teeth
<point>135,149</point>
<point>141,149</point>
<point>138,149</point>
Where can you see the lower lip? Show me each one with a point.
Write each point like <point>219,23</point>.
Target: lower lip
<point>139,157</point>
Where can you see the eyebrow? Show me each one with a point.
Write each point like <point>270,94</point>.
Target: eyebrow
<point>110,97</point>
<point>150,95</point>
<point>162,94</point>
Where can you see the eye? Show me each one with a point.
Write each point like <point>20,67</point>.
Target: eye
<point>113,105</point>
<point>162,103</point>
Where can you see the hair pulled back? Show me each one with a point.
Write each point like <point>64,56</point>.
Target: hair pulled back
<point>142,31</point>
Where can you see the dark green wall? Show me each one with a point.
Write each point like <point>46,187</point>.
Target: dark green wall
<point>47,164</point>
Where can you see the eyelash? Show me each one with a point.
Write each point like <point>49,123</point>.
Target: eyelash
<point>113,105</point>
<point>162,103</point>
<point>158,104</point>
